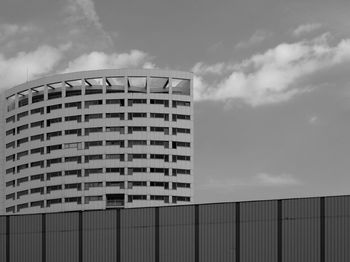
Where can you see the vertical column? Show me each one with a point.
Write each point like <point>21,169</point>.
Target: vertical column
<point>30,94</point>
<point>104,85</point>
<point>196,233</point>
<point>156,237</point>
<point>238,232</point>
<point>63,88</point>
<point>279,231</point>
<point>118,236</point>
<point>80,236</point>
<point>322,230</point>
<point>43,237</point>
<point>7,238</point>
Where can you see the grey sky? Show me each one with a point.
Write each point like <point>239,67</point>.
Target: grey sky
<point>272,87</point>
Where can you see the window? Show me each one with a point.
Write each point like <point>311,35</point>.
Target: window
<point>160,157</point>
<point>132,143</point>
<point>136,197</point>
<point>119,143</point>
<point>181,117</point>
<point>53,107</point>
<point>132,184</point>
<point>53,94</point>
<point>160,198</point>
<point>181,157</point>
<point>77,145</point>
<point>11,170</point>
<point>181,185</point>
<point>119,102</point>
<point>165,117</point>
<point>22,141</point>
<point>92,144</point>
<point>89,199</point>
<point>37,204</point>
<point>53,174</point>
<point>88,117</point>
<point>181,131</point>
<point>132,170</point>
<point>131,157</point>
<point>37,137</point>
<point>10,119</point>
<point>93,130</point>
<point>37,177</point>
<point>165,171</point>
<point>73,104</point>
<point>160,184</point>
<point>91,171</point>
<point>119,129</point>
<point>11,183</point>
<point>39,110</point>
<point>164,130</point>
<point>11,196</point>
<point>22,167</point>
<point>11,132</point>
<point>22,206</point>
<point>11,158</point>
<point>177,103</point>
<point>49,189</point>
<point>53,148</point>
<point>40,163</point>
<point>131,116</point>
<point>73,200</point>
<point>92,103</point>
<point>50,162</point>
<point>159,102</point>
<point>37,190</point>
<point>76,186</point>
<point>53,202</point>
<point>22,193</point>
<point>22,180</point>
<point>73,91</point>
<point>115,170</point>
<point>37,150</point>
<point>37,98</point>
<point>115,156</point>
<point>89,185</point>
<point>132,129</point>
<point>181,172</point>
<point>163,143</point>
<point>21,128</point>
<point>76,159</point>
<point>181,198</point>
<point>53,121</point>
<point>11,144</point>
<point>73,132</point>
<point>115,184</point>
<point>73,118</point>
<point>115,115</point>
<point>75,172</point>
<point>136,101</point>
<point>21,115</point>
<point>93,157</point>
<point>181,144</point>
<point>53,134</point>
<point>37,124</point>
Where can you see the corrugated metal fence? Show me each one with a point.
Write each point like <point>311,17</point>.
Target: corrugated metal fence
<point>291,230</point>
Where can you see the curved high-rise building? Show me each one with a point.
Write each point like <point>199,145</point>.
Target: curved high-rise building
<point>96,140</point>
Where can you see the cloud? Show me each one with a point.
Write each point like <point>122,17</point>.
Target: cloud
<point>101,60</point>
<point>270,77</point>
<point>276,180</point>
<point>258,37</point>
<point>313,120</point>
<point>306,28</point>
<point>41,61</point>
<point>11,30</point>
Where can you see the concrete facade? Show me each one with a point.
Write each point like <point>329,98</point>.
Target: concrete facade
<point>96,140</point>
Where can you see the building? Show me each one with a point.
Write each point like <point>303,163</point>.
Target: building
<point>96,140</point>
<point>286,230</point>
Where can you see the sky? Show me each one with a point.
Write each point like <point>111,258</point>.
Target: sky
<point>271,85</point>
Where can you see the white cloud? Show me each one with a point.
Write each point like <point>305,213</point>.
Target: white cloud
<point>306,28</point>
<point>10,30</point>
<point>83,10</point>
<point>276,180</point>
<point>101,60</point>
<point>41,61</point>
<point>271,77</point>
<point>258,37</point>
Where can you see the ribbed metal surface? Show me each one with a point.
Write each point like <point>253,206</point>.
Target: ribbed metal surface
<point>301,230</point>
<point>176,230</point>
<point>2,238</point>
<point>137,235</point>
<point>62,239</point>
<point>259,231</point>
<point>337,229</point>
<point>217,232</point>
<point>25,238</point>
<point>99,236</point>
